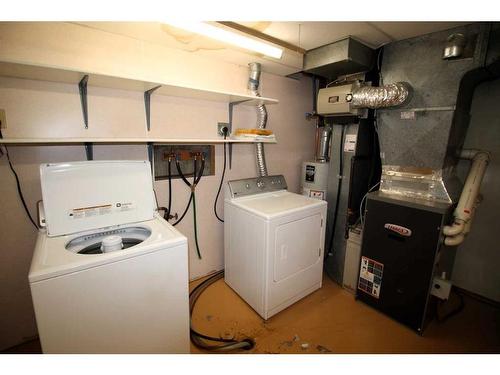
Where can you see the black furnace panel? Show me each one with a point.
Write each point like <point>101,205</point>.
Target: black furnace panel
<point>400,247</point>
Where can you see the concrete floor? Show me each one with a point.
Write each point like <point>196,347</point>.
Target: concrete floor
<point>330,320</point>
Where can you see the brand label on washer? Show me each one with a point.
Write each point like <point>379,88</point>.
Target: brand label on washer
<point>104,209</point>
<point>370,276</point>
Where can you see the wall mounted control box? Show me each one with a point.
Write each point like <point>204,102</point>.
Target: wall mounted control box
<point>336,101</point>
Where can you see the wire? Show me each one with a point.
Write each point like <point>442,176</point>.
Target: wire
<point>379,69</point>
<point>166,214</point>
<point>221,181</point>
<point>361,214</point>
<point>198,338</point>
<point>19,190</point>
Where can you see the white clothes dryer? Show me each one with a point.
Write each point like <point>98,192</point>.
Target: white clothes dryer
<point>273,243</point>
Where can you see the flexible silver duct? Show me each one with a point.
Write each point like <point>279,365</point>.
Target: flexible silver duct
<point>253,86</point>
<point>390,95</point>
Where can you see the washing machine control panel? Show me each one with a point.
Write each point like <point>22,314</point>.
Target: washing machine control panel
<point>250,186</point>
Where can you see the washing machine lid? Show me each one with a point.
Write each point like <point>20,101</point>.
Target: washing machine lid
<point>80,196</point>
<point>275,204</point>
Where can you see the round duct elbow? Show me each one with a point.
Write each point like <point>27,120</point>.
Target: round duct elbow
<point>391,95</point>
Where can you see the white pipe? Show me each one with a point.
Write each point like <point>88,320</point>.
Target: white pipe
<point>456,228</point>
<point>463,213</point>
<point>468,224</point>
<point>471,187</point>
<point>454,240</point>
<point>468,154</point>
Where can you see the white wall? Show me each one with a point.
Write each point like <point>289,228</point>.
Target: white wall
<point>48,109</point>
<point>45,109</point>
<point>477,260</point>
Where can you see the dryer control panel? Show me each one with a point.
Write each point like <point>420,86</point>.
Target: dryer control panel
<point>256,185</point>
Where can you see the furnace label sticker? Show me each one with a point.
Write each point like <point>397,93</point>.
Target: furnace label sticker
<point>350,143</point>
<point>370,276</point>
<point>310,171</point>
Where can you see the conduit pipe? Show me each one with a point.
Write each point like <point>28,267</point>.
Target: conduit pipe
<point>253,86</point>
<point>464,212</point>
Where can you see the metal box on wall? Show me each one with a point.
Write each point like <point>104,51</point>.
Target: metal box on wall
<point>334,101</point>
<point>401,252</point>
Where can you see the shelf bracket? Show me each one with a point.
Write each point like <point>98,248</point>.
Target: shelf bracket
<point>230,127</point>
<point>82,87</point>
<point>147,104</point>
<point>89,150</point>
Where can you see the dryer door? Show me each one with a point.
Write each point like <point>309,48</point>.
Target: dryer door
<point>295,258</point>
<point>297,246</point>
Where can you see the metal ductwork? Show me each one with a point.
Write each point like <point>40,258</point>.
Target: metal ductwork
<point>346,56</point>
<point>253,87</point>
<point>421,139</point>
<point>391,95</point>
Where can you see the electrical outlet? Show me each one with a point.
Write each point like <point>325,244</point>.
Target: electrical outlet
<point>3,119</point>
<point>220,126</point>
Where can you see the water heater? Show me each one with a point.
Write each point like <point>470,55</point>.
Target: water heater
<point>314,179</point>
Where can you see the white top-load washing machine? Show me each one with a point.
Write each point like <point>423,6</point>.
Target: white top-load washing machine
<point>273,243</point>
<point>108,274</point>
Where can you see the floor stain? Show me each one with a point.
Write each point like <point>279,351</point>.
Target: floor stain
<point>323,349</point>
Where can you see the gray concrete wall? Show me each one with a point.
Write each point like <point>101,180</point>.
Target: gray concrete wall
<point>477,259</point>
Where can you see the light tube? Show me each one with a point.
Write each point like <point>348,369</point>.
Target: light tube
<point>229,37</point>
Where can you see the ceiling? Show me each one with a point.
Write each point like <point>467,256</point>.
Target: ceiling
<point>309,35</point>
<point>306,35</point>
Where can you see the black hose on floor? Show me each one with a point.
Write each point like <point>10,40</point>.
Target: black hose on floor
<point>199,339</point>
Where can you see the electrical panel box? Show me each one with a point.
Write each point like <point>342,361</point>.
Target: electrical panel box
<point>336,101</point>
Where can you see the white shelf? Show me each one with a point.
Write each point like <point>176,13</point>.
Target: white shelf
<point>34,141</point>
<point>54,74</point>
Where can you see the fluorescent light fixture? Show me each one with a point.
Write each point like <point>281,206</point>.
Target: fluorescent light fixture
<point>229,37</point>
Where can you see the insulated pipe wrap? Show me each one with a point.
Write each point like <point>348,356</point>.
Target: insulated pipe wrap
<point>391,95</point>
<point>253,87</point>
